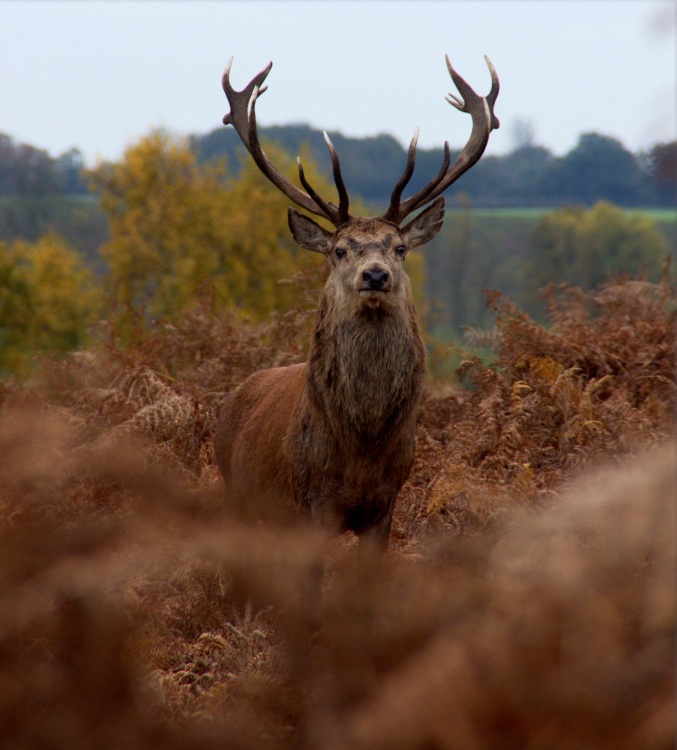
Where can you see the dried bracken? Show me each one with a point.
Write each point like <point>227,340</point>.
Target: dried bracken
<point>528,599</point>
<point>599,382</point>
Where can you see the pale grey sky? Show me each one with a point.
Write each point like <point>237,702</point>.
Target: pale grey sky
<point>100,75</point>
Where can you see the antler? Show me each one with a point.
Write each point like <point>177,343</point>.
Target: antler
<point>242,117</point>
<point>481,109</point>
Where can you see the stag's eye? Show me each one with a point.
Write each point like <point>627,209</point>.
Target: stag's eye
<point>340,252</point>
<point>400,250</point>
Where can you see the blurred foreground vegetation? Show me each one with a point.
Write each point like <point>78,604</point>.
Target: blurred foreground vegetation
<point>519,605</point>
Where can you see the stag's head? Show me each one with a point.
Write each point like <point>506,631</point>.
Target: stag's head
<point>366,254</point>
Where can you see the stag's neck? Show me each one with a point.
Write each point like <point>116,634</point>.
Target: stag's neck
<point>366,370</point>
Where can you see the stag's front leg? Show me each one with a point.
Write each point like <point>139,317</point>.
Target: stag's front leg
<point>375,539</point>
<point>318,516</point>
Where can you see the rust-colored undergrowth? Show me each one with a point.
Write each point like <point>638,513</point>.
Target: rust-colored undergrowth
<point>527,600</point>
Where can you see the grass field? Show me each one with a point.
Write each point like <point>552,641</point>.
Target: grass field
<point>667,215</point>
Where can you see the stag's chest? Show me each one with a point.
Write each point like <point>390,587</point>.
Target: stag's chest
<point>349,486</point>
<point>367,374</point>
<point>355,439</point>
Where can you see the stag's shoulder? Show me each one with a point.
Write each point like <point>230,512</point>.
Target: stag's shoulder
<point>273,392</point>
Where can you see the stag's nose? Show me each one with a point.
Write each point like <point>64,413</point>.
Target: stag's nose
<point>375,278</point>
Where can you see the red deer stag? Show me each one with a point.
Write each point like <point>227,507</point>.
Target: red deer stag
<point>333,440</point>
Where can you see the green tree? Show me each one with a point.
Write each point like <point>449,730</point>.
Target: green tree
<point>584,247</point>
<point>26,170</point>
<point>48,298</point>
<point>599,167</point>
<point>662,171</point>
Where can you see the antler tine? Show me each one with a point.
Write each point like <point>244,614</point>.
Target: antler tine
<point>469,96</point>
<point>481,109</point>
<point>339,214</point>
<point>326,209</point>
<point>493,94</point>
<point>344,200</point>
<point>242,116</point>
<point>394,207</point>
<point>239,100</point>
<point>424,193</point>
<point>394,213</point>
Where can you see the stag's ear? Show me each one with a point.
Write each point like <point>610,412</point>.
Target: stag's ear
<point>308,234</point>
<point>425,226</point>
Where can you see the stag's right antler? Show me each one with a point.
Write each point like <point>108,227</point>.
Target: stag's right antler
<point>242,117</point>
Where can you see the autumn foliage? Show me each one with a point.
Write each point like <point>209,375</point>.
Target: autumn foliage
<point>48,297</point>
<point>175,223</point>
<point>528,599</point>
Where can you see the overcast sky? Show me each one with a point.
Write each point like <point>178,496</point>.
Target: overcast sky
<point>98,76</point>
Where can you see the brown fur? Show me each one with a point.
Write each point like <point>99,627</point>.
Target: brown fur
<point>333,440</point>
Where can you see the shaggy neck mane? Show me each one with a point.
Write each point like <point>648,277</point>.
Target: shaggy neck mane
<point>366,370</point>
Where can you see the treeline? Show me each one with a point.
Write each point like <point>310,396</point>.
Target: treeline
<point>597,168</point>
<point>40,194</point>
<point>32,172</point>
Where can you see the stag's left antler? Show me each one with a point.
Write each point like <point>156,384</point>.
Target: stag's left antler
<point>242,117</point>
<point>481,109</point>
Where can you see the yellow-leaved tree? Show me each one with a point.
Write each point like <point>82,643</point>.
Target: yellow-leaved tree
<point>48,299</point>
<point>180,229</point>
<point>177,227</point>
